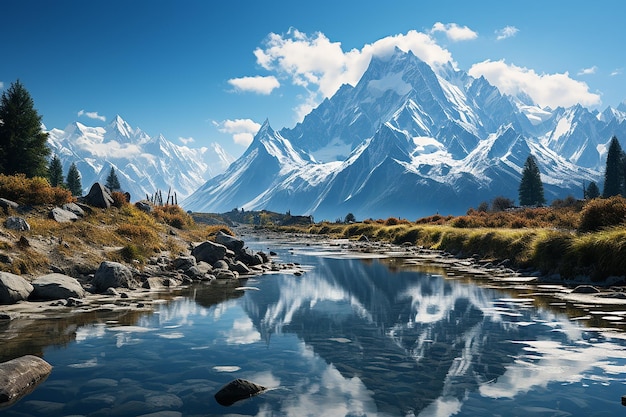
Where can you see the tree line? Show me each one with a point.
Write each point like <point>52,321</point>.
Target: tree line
<point>24,145</point>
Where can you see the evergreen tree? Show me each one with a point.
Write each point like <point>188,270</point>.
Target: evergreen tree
<point>614,172</point>
<point>73,181</point>
<point>531,187</point>
<point>592,191</point>
<point>55,172</point>
<point>113,183</point>
<point>23,145</point>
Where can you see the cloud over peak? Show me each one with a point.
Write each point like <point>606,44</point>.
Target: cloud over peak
<point>256,84</point>
<point>455,32</point>
<point>91,115</point>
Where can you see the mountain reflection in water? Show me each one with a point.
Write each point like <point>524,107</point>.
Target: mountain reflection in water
<point>348,338</point>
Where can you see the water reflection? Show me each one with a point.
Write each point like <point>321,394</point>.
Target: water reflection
<point>348,338</point>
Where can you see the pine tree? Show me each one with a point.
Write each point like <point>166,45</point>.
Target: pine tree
<point>55,172</point>
<point>23,144</point>
<point>592,191</point>
<point>113,183</point>
<point>531,187</point>
<point>614,172</point>
<point>73,181</point>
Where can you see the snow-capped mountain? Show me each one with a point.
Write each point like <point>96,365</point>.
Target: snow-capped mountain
<point>143,164</point>
<point>410,141</point>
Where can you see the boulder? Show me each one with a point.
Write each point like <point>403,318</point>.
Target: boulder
<point>249,258</point>
<point>240,268</point>
<point>56,286</point>
<point>144,206</point>
<point>20,376</point>
<point>8,204</point>
<point>98,196</point>
<point>221,264</point>
<point>209,252</point>
<point>74,208</point>
<point>229,241</point>
<point>13,288</point>
<point>113,275</point>
<point>236,390</point>
<point>60,215</point>
<point>225,274</point>
<point>184,262</point>
<point>16,223</point>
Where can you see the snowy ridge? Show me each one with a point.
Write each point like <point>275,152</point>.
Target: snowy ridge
<point>142,163</point>
<point>410,141</point>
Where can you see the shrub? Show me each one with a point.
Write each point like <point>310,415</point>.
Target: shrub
<point>119,199</point>
<point>32,191</point>
<point>173,215</point>
<point>602,213</point>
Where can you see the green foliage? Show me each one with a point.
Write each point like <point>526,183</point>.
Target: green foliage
<point>592,191</point>
<point>614,172</point>
<point>55,172</point>
<point>601,213</point>
<point>73,181</point>
<point>499,203</point>
<point>23,145</point>
<point>531,187</point>
<point>349,218</point>
<point>112,182</point>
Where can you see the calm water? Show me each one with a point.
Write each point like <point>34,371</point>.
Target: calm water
<point>348,338</point>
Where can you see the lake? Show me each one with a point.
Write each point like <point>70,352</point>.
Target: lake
<point>352,336</point>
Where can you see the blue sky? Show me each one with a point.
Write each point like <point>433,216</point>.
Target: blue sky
<point>212,71</point>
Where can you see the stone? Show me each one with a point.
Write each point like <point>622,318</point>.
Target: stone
<point>74,208</point>
<point>249,258</point>
<point>56,286</point>
<point>60,215</point>
<point>8,204</point>
<point>13,288</point>
<point>209,252</point>
<point>16,223</point>
<point>184,262</point>
<point>221,264</point>
<point>229,241</point>
<point>237,390</point>
<point>225,274</point>
<point>20,376</point>
<point>240,268</point>
<point>144,206</point>
<point>113,274</point>
<point>585,289</point>
<point>98,196</point>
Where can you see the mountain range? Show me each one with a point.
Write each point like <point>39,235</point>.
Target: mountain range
<point>143,164</point>
<point>409,140</point>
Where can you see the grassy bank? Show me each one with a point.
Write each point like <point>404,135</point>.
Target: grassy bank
<point>557,242</point>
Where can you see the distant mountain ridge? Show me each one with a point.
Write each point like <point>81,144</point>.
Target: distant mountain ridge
<point>410,141</point>
<point>142,163</point>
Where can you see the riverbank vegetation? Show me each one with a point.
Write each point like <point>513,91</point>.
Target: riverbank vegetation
<point>567,241</point>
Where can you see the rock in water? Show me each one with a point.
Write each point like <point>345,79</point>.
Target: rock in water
<point>236,390</point>
<point>20,376</point>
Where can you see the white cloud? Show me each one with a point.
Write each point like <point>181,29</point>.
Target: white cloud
<point>186,141</point>
<point>242,130</point>
<point>91,115</point>
<point>506,32</point>
<point>545,89</point>
<point>617,71</point>
<point>455,32</point>
<point>257,84</point>
<point>588,71</point>
<point>321,66</point>
<point>1,85</point>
